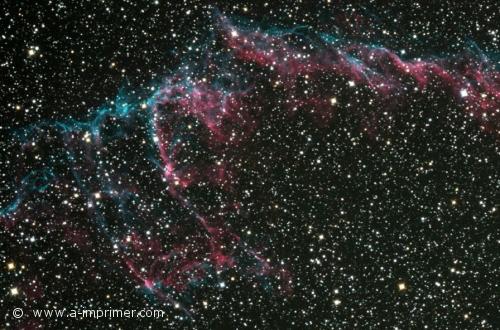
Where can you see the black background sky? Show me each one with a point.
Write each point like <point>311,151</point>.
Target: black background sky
<point>420,210</point>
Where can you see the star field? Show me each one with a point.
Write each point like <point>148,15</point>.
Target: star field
<point>326,165</point>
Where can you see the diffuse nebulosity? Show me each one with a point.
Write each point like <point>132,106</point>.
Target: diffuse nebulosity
<point>181,230</point>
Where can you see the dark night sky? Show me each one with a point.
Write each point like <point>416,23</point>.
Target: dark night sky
<point>383,216</point>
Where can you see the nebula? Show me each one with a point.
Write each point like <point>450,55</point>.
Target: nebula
<point>193,133</point>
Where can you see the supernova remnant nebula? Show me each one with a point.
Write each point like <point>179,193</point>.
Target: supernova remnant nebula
<point>265,165</point>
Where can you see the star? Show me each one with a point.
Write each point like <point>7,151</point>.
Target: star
<point>14,291</point>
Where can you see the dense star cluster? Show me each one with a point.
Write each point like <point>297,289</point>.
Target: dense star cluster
<point>251,164</point>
